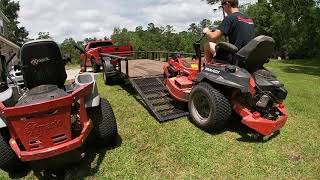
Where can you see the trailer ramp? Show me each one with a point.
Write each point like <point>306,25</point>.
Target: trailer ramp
<point>158,99</point>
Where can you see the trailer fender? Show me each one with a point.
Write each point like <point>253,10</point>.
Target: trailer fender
<point>92,100</point>
<point>108,67</point>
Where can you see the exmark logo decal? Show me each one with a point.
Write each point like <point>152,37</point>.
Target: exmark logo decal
<point>212,70</point>
<point>37,61</point>
<point>36,130</point>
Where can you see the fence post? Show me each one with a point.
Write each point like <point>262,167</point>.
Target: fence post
<point>127,66</point>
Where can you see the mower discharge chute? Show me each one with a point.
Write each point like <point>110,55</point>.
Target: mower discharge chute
<point>239,83</point>
<point>50,118</point>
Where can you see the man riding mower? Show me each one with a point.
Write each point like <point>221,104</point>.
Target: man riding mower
<point>234,79</point>
<point>241,84</point>
<point>48,118</point>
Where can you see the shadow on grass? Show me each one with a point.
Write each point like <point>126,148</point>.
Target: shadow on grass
<point>315,71</point>
<point>310,67</point>
<point>247,135</point>
<point>305,62</point>
<point>80,169</point>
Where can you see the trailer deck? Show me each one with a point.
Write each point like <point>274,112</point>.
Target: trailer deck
<point>143,68</point>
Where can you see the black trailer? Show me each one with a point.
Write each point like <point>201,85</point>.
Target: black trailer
<point>146,77</point>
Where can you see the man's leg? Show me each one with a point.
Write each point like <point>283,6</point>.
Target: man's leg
<point>209,51</point>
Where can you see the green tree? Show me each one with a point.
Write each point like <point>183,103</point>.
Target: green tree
<point>15,33</point>
<point>292,26</point>
<point>67,47</point>
<point>44,35</point>
<point>88,39</point>
<point>212,1</point>
<point>155,38</point>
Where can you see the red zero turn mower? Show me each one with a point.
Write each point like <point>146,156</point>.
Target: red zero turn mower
<point>239,82</point>
<point>48,118</point>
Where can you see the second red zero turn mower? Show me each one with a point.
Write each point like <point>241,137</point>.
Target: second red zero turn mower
<point>239,83</point>
<point>49,119</point>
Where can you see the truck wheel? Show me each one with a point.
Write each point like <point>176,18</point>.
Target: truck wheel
<point>209,109</point>
<point>104,123</point>
<point>95,67</point>
<point>9,160</point>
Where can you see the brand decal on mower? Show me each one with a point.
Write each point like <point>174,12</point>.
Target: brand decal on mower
<point>36,130</point>
<point>212,70</point>
<point>37,61</point>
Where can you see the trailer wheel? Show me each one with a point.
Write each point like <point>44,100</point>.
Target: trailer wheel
<point>107,79</point>
<point>209,109</point>
<point>104,123</point>
<point>95,66</point>
<point>9,160</point>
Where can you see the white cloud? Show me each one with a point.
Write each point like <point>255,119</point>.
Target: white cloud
<point>97,18</point>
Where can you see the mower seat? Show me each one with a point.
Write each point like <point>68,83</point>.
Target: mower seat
<point>42,64</point>
<point>256,53</point>
<point>226,47</point>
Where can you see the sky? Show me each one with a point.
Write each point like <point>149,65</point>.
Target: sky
<point>97,18</point>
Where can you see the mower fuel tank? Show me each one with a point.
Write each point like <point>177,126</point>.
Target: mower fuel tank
<point>221,74</point>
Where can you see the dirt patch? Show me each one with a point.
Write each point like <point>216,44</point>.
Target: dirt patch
<point>295,158</point>
<point>71,73</point>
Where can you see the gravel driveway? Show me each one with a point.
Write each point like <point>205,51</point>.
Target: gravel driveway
<point>74,71</point>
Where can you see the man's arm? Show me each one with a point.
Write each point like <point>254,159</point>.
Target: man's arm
<point>213,36</point>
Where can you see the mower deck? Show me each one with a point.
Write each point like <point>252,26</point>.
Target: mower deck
<point>158,99</point>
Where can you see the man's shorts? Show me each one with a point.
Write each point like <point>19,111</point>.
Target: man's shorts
<point>219,54</point>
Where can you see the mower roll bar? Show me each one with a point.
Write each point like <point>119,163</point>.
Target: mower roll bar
<point>79,48</point>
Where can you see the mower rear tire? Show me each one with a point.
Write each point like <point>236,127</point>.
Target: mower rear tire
<point>9,160</point>
<point>209,109</point>
<point>104,123</point>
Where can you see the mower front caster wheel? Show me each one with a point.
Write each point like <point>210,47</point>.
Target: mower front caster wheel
<point>209,109</point>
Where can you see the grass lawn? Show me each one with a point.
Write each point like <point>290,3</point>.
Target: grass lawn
<point>179,150</point>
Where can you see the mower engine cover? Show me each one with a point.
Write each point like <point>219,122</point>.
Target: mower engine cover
<point>42,64</point>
